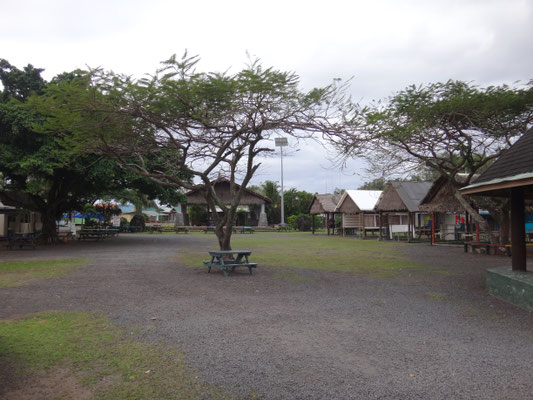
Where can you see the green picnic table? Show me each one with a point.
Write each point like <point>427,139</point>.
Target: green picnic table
<point>218,261</point>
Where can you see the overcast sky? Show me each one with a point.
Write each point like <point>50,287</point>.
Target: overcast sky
<point>384,45</point>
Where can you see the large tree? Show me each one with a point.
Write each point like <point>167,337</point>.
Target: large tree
<point>41,171</point>
<point>202,124</point>
<point>455,128</point>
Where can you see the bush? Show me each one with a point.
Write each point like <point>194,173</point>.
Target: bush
<point>304,222</point>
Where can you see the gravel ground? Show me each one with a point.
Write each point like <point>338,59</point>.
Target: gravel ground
<point>432,334</point>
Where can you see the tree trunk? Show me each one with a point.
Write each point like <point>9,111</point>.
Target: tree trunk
<point>482,223</point>
<point>505,224</point>
<point>49,232</point>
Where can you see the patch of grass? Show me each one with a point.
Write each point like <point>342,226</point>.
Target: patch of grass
<point>93,349</point>
<point>17,273</point>
<point>299,250</point>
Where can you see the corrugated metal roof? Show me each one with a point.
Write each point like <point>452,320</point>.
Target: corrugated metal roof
<point>364,199</point>
<point>412,193</point>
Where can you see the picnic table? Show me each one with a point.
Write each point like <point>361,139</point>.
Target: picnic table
<point>97,234</point>
<point>220,259</point>
<point>21,240</point>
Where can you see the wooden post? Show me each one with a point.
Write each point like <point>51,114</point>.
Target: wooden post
<point>477,231</point>
<point>433,228</point>
<point>363,224</point>
<point>408,227</point>
<point>313,224</point>
<point>518,230</point>
<point>380,225</point>
<point>327,222</point>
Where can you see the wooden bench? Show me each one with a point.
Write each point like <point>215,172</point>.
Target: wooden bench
<point>218,261</point>
<point>504,248</point>
<point>20,241</point>
<point>181,229</point>
<point>209,229</point>
<point>94,234</point>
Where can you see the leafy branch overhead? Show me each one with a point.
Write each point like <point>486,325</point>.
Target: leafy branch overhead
<point>180,123</point>
<point>453,127</point>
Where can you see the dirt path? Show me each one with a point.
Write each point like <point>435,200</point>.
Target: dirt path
<point>433,334</point>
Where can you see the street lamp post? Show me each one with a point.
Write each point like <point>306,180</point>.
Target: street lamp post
<point>281,142</point>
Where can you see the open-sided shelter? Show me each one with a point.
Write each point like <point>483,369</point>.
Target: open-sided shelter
<point>511,176</point>
<point>358,211</point>
<point>252,204</point>
<point>446,211</point>
<point>324,204</point>
<point>399,207</point>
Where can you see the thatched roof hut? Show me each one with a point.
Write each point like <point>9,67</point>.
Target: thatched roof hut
<point>222,188</point>
<point>400,201</point>
<point>403,196</point>
<point>251,202</point>
<point>358,210</point>
<point>324,203</point>
<point>356,201</point>
<point>441,198</point>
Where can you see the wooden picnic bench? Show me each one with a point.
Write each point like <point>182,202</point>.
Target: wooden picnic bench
<point>502,248</point>
<point>182,229</point>
<point>220,260</point>
<point>19,241</point>
<point>96,234</point>
<point>155,228</point>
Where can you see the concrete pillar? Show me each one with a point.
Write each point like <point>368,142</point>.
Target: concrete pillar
<point>179,221</point>
<point>263,221</point>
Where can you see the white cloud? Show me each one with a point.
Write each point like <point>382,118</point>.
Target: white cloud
<point>385,45</point>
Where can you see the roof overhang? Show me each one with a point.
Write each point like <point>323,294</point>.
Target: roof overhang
<point>499,187</point>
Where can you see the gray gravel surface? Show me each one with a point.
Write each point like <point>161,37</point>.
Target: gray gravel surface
<point>430,334</point>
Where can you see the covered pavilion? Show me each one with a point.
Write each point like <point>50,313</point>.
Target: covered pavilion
<point>324,204</point>
<point>251,202</point>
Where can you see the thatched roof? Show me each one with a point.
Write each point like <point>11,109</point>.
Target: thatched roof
<point>355,201</point>
<point>403,196</point>
<point>514,168</point>
<point>324,203</point>
<point>222,188</point>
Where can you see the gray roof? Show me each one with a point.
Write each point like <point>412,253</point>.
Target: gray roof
<point>517,160</point>
<point>412,193</point>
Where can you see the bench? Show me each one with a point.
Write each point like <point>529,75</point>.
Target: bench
<point>96,234</point>
<point>182,229</point>
<point>21,240</point>
<point>218,261</point>
<point>504,248</point>
<point>209,229</point>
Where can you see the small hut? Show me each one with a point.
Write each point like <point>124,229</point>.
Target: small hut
<point>324,204</point>
<point>251,207</point>
<point>358,212</point>
<point>399,208</point>
<point>448,217</point>
<point>4,211</point>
